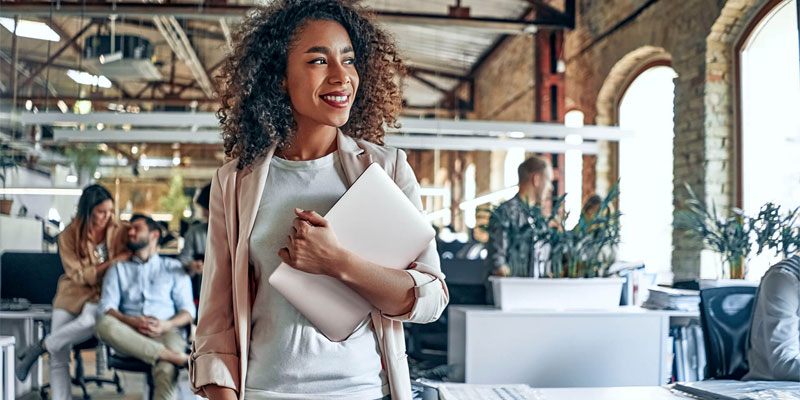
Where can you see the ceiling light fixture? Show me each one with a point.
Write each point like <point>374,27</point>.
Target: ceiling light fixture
<point>85,78</point>
<point>31,29</point>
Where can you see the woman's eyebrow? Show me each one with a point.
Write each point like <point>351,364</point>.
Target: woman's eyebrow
<point>325,50</point>
<point>318,49</point>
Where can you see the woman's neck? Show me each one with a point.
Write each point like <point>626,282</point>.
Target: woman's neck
<point>97,233</point>
<point>310,142</point>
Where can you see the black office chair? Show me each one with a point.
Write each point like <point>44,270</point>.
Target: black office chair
<point>725,314</point>
<point>80,379</point>
<point>465,282</point>
<point>17,270</point>
<point>123,362</point>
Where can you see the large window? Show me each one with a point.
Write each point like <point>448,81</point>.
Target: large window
<point>770,117</point>
<point>645,170</point>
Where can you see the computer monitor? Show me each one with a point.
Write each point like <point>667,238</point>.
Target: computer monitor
<point>31,276</point>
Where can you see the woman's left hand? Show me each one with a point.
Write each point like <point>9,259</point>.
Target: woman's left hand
<point>312,247</point>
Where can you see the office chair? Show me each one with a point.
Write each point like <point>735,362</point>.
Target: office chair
<point>34,276</point>
<point>725,314</point>
<point>80,379</point>
<point>122,362</point>
<point>465,283</point>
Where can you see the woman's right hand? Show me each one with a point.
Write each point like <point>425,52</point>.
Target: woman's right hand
<point>124,256</point>
<point>215,392</point>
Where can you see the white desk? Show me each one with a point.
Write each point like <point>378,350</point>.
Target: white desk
<point>611,393</point>
<point>626,346</point>
<point>25,327</point>
<point>7,361</point>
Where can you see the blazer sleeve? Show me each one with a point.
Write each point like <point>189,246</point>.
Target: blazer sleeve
<point>430,289</point>
<point>74,269</point>
<point>214,359</point>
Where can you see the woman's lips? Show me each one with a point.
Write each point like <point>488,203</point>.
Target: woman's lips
<point>336,101</point>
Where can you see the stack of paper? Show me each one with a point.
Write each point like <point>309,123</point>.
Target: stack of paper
<point>456,391</point>
<point>663,298</point>
<point>738,390</point>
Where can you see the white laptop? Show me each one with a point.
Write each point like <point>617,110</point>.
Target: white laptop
<point>373,219</point>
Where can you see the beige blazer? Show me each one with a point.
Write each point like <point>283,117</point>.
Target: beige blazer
<point>220,350</point>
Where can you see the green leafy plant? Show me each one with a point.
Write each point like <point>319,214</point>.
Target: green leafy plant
<point>587,250</point>
<point>776,231</point>
<point>729,236</point>
<point>735,236</point>
<point>9,160</point>
<point>521,238</point>
<point>584,251</point>
<point>175,202</point>
<point>85,157</point>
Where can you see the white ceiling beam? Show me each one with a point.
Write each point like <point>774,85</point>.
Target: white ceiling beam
<point>137,136</point>
<point>405,142</point>
<point>485,143</point>
<point>164,119</point>
<point>409,125</point>
<point>502,128</point>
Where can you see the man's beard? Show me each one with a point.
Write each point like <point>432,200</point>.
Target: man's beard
<point>135,246</point>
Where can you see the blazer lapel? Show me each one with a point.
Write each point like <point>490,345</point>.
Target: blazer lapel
<point>355,159</point>
<point>250,187</point>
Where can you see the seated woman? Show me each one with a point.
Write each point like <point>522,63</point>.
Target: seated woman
<point>88,246</point>
<point>774,348</point>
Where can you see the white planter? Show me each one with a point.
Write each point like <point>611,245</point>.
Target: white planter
<point>556,294</point>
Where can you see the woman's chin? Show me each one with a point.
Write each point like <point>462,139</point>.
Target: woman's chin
<point>336,122</point>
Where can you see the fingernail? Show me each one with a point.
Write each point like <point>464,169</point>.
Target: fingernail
<point>297,210</point>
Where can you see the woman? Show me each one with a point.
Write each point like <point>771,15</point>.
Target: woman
<point>301,71</point>
<point>88,246</point>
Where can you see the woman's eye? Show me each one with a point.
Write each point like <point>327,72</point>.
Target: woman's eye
<point>350,61</point>
<point>317,61</point>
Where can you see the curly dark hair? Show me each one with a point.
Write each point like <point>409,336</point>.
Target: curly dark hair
<point>256,109</point>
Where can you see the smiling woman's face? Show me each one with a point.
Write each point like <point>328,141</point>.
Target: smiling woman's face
<point>321,77</point>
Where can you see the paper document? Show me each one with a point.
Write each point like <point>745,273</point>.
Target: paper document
<point>461,391</point>
<point>741,390</point>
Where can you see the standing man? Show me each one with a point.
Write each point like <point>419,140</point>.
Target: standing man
<point>144,304</point>
<point>535,187</point>
<point>194,244</point>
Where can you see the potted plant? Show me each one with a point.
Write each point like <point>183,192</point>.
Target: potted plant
<point>7,161</point>
<point>578,259</point>
<point>776,231</point>
<point>175,202</point>
<point>729,236</point>
<point>85,158</point>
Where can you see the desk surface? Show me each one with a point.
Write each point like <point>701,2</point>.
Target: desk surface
<point>622,310</point>
<point>37,312</point>
<point>610,393</point>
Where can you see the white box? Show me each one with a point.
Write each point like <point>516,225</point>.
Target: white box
<point>511,293</point>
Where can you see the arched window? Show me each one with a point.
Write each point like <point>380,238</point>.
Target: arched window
<point>645,170</point>
<point>770,122</point>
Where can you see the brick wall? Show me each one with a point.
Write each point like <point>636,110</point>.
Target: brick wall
<point>614,39</point>
<point>504,84</point>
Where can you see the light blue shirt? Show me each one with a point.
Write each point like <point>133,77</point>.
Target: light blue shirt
<point>158,287</point>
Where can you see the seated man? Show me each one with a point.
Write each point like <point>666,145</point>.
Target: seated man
<point>144,302</point>
<point>774,351</point>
